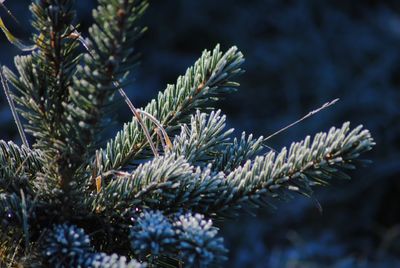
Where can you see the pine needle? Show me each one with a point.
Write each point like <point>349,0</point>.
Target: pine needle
<point>165,136</point>
<point>138,117</point>
<point>13,109</point>
<point>14,40</point>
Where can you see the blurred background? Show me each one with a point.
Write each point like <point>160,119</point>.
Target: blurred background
<point>299,55</point>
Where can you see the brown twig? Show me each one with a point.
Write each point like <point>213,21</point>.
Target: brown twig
<point>326,105</point>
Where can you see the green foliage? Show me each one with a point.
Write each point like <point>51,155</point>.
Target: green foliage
<point>111,57</point>
<point>200,142</point>
<point>62,239</point>
<point>18,165</point>
<point>43,79</point>
<point>69,203</point>
<point>152,233</point>
<point>202,84</point>
<point>170,181</point>
<point>189,236</point>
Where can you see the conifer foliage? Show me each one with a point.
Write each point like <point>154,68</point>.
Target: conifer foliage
<point>67,202</point>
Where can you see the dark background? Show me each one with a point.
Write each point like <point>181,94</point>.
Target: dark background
<point>299,55</point>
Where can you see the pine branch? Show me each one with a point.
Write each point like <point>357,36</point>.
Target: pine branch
<point>200,142</point>
<point>189,237</point>
<point>152,233</point>
<point>65,246</point>
<point>169,182</point>
<point>43,79</point>
<point>18,166</point>
<point>68,246</point>
<point>133,202</point>
<point>10,227</point>
<point>10,212</point>
<point>199,244</point>
<point>206,140</point>
<point>305,165</point>
<point>203,83</point>
<point>237,153</point>
<point>13,109</point>
<point>107,63</point>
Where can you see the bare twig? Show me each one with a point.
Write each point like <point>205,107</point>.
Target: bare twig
<point>9,12</point>
<point>25,220</point>
<point>326,105</point>
<point>138,117</point>
<point>159,126</point>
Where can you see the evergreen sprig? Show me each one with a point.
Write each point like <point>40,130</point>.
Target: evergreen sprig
<point>237,152</point>
<point>199,244</point>
<point>203,83</point>
<point>42,81</point>
<point>18,165</point>
<point>152,233</point>
<point>189,236</point>
<point>69,246</point>
<point>66,246</point>
<point>68,203</point>
<point>200,142</point>
<point>110,57</point>
<point>10,211</point>
<point>170,182</point>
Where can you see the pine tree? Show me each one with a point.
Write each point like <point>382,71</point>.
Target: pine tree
<point>150,196</point>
